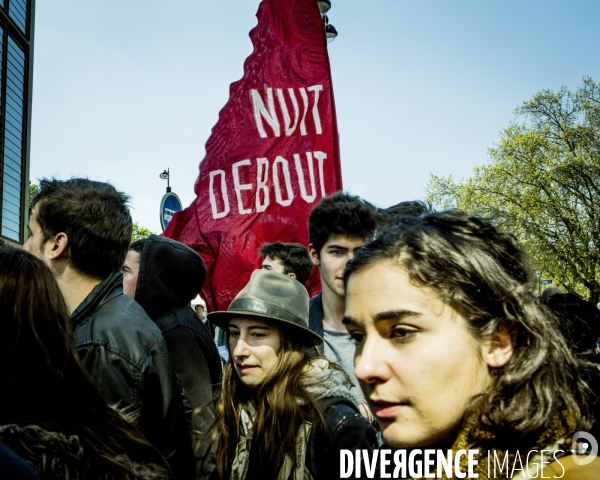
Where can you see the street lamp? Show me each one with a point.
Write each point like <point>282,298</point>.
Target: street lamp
<point>324,6</point>
<point>538,274</point>
<point>330,31</point>
<point>166,176</point>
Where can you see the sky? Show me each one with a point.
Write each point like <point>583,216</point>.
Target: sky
<point>123,90</point>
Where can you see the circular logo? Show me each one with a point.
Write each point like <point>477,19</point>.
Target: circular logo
<point>584,442</point>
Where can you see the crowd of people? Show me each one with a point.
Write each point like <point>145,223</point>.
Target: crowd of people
<point>427,334</point>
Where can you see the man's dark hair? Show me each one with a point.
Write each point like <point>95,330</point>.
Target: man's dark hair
<point>95,217</point>
<point>341,214</point>
<point>386,217</point>
<point>293,256</point>
<point>138,245</point>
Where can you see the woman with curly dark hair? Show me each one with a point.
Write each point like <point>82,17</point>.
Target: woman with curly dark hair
<point>52,415</point>
<point>455,351</point>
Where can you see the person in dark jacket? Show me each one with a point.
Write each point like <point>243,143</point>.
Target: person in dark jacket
<point>82,229</point>
<point>283,412</point>
<point>164,276</point>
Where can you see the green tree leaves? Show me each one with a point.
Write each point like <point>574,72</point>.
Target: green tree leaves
<point>139,232</point>
<point>543,184</point>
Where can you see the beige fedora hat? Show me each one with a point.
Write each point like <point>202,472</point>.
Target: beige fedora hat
<point>273,296</point>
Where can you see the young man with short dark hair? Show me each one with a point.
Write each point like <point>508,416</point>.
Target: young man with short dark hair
<point>338,226</point>
<point>81,229</point>
<point>288,258</point>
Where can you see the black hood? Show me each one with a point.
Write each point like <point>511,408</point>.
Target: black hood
<point>171,275</point>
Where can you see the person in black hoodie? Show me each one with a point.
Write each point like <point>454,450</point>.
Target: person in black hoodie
<point>164,276</point>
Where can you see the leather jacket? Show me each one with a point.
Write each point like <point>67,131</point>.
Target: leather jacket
<point>124,353</point>
<point>347,429</point>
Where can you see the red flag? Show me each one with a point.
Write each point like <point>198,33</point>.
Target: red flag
<point>272,155</point>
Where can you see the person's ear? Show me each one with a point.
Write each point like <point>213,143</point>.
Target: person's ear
<point>293,275</point>
<point>314,255</point>
<point>499,349</point>
<point>59,246</point>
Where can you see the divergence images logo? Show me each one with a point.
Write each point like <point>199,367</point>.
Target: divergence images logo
<point>584,443</point>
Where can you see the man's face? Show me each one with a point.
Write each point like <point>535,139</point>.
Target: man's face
<point>130,269</point>
<point>199,310</point>
<point>35,244</point>
<point>332,259</point>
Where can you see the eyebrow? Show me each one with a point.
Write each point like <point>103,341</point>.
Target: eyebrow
<point>397,315</point>
<point>253,327</point>
<point>337,247</point>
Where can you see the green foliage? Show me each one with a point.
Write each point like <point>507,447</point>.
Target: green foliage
<point>33,191</point>
<point>139,232</point>
<point>543,184</point>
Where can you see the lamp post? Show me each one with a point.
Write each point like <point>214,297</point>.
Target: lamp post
<point>166,176</point>
<point>330,31</point>
<point>538,274</point>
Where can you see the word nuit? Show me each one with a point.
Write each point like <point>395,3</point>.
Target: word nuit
<point>281,184</point>
<point>268,112</point>
<point>431,463</point>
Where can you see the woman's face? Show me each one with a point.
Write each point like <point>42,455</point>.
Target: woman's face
<point>253,345</point>
<point>418,364</point>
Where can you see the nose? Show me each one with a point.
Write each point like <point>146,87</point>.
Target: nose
<point>240,348</point>
<point>371,362</point>
<point>27,246</point>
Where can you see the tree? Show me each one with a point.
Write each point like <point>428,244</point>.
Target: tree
<point>139,232</point>
<point>543,184</point>
<point>33,191</point>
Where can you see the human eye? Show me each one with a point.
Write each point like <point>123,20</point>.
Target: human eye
<point>402,333</point>
<point>234,333</point>
<point>357,336</point>
<point>258,335</point>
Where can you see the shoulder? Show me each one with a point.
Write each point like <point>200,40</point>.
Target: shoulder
<point>119,324</point>
<point>346,424</point>
<point>567,469</point>
<point>315,315</point>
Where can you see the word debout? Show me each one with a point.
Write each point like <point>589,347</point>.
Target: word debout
<point>431,463</point>
<point>281,182</point>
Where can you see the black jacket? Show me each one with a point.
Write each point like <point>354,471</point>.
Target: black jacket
<point>346,429</point>
<point>315,318</point>
<point>125,354</point>
<point>170,276</point>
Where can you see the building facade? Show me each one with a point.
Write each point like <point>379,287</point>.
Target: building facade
<point>16,75</point>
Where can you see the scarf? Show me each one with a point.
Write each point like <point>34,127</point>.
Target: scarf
<point>321,382</point>
<point>517,461</point>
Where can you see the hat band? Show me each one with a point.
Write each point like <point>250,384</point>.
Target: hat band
<point>252,305</point>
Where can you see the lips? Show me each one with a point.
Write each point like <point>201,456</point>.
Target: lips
<point>245,368</point>
<point>384,409</point>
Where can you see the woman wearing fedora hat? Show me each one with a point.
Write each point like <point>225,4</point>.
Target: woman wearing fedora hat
<point>283,413</point>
